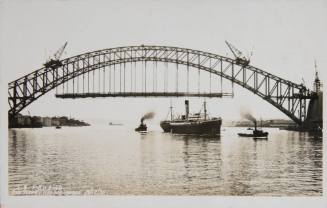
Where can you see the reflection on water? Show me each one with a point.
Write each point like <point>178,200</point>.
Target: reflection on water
<point>115,160</point>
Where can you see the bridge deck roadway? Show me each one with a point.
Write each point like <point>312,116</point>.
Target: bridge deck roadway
<point>143,94</point>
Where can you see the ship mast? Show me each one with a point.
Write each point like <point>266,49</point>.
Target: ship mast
<point>205,109</point>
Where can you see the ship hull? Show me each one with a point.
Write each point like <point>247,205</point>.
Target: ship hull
<point>141,128</point>
<point>196,127</point>
<point>263,135</point>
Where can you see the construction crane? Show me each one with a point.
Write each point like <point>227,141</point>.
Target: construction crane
<point>55,61</point>
<point>317,83</point>
<point>239,57</point>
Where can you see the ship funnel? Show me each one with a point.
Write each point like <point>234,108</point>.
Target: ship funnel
<point>187,110</point>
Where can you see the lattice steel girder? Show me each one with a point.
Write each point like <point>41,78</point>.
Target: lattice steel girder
<point>274,89</point>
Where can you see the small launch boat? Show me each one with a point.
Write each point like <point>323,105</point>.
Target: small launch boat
<point>256,133</point>
<point>58,127</point>
<point>115,124</point>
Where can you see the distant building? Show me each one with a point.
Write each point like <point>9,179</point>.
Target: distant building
<point>24,121</point>
<point>19,120</point>
<point>37,121</point>
<point>27,120</point>
<point>55,121</point>
<point>46,121</point>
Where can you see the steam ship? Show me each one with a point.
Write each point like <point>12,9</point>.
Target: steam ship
<point>192,123</point>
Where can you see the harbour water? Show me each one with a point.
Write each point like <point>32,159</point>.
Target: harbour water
<point>116,160</point>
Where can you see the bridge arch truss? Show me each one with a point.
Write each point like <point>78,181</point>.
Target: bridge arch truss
<point>287,96</point>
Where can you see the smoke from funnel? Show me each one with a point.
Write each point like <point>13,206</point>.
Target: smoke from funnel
<point>148,115</point>
<point>247,115</point>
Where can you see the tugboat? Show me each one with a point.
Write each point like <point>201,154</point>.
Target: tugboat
<point>192,124</point>
<point>256,133</point>
<point>142,127</point>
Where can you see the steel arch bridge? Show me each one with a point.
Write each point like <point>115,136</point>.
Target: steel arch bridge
<point>287,96</point>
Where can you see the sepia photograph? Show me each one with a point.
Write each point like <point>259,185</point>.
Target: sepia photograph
<point>162,103</point>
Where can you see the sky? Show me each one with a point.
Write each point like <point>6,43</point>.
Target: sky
<point>286,38</point>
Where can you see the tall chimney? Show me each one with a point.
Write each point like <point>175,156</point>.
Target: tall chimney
<point>186,109</point>
<point>255,125</point>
